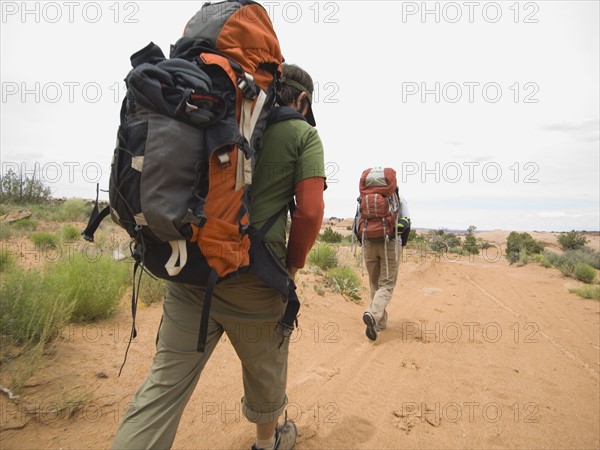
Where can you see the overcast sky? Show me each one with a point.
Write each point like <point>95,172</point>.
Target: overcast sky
<point>489,111</point>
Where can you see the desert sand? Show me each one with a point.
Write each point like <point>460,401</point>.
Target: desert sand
<point>477,354</point>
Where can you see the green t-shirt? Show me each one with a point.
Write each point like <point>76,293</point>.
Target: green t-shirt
<point>292,151</point>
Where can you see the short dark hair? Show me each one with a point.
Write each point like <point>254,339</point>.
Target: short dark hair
<point>287,94</point>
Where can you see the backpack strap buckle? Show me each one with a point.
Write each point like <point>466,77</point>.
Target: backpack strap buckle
<point>224,160</point>
<point>248,87</point>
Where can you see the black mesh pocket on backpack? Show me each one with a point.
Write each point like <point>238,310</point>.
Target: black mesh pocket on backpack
<point>125,176</point>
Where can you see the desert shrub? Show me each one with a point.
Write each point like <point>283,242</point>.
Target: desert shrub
<point>348,239</point>
<point>345,281</point>
<point>7,260</point>
<point>573,240</point>
<point>470,244</point>
<point>330,236</point>
<point>95,286</point>
<point>323,256</point>
<point>458,251</point>
<point>484,245</point>
<point>416,240</point>
<point>545,260</point>
<point>44,239</point>
<point>588,256</point>
<point>319,289</point>
<point>152,290</point>
<point>591,292</point>
<point>5,231</point>
<point>520,245</point>
<point>36,304</point>
<point>73,210</point>
<point>70,233</point>
<point>440,241</point>
<point>584,272</point>
<point>35,307</point>
<point>24,225</point>
<point>567,261</point>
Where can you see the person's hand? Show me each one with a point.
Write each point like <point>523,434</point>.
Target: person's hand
<point>292,271</point>
<point>402,224</point>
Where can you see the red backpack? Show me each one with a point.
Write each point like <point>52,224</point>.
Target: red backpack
<point>378,204</point>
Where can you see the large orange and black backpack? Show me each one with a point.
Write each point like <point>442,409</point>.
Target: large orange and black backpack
<point>181,172</point>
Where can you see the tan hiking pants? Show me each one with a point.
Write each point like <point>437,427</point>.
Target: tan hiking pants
<point>241,307</point>
<point>382,281</point>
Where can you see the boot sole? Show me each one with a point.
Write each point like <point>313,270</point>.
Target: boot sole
<point>369,321</point>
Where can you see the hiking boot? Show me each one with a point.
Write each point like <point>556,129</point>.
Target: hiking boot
<point>285,436</point>
<point>369,321</point>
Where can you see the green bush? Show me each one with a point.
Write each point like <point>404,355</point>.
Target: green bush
<point>330,236</point>
<point>591,292</point>
<point>567,261</point>
<point>25,225</point>
<point>439,241</point>
<point>323,256</point>
<point>37,304</point>
<point>95,285</point>
<point>415,240</point>
<point>45,239</point>
<point>5,231</point>
<point>545,261</point>
<point>470,244</point>
<point>520,245</point>
<point>484,245</point>
<point>584,272</point>
<point>588,256</point>
<point>73,210</point>
<point>7,260</point>
<point>152,290</point>
<point>573,240</point>
<point>319,289</point>
<point>70,233</point>
<point>35,307</point>
<point>345,281</point>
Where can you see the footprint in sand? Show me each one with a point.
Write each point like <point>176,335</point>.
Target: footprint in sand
<point>317,374</point>
<point>431,290</point>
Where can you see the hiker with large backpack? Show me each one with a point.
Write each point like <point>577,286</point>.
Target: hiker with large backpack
<point>381,225</point>
<point>235,273</point>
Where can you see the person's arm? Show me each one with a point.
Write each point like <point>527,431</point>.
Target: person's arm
<point>306,221</point>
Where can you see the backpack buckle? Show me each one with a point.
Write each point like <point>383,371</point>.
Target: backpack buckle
<point>224,160</point>
<point>247,86</point>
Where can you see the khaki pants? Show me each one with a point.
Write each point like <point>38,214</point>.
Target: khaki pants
<point>241,307</point>
<point>382,281</point>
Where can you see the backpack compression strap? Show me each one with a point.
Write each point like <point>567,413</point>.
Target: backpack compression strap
<point>210,287</point>
<point>289,319</point>
<point>95,218</point>
<point>290,314</point>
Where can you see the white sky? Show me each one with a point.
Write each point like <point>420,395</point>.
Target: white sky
<point>489,111</point>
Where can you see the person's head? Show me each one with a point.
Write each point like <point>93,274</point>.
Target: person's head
<point>296,91</point>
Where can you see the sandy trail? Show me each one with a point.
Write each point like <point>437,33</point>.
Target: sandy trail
<point>477,354</point>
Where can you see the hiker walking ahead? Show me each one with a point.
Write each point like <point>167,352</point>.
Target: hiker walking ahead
<point>290,163</point>
<point>382,225</point>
